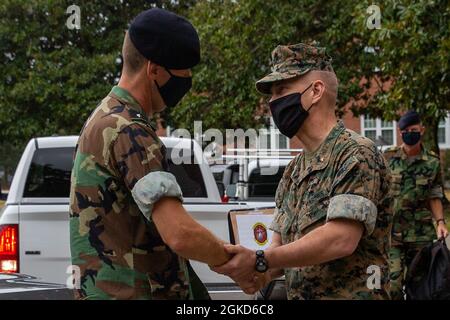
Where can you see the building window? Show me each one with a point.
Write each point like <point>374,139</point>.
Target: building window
<point>380,131</point>
<point>444,133</point>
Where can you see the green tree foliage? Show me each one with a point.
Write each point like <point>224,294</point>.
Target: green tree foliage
<point>412,49</point>
<point>53,77</point>
<point>410,53</point>
<point>237,38</point>
<point>10,155</point>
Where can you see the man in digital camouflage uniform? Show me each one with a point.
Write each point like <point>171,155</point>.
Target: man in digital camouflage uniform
<point>129,233</point>
<point>333,213</point>
<point>417,193</point>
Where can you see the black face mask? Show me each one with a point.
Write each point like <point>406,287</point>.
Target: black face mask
<point>288,113</point>
<point>411,138</point>
<point>174,89</point>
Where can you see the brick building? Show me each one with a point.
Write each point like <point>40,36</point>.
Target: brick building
<point>382,132</point>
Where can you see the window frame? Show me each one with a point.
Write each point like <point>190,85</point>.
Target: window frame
<point>446,126</point>
<point>379,129</point>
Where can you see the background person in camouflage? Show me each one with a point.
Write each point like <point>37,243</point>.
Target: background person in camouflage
<point>333,217</point>
<point>417,193</point>
<point>129,233</point>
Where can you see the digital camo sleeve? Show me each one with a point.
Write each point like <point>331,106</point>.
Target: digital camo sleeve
<point>356,190</point>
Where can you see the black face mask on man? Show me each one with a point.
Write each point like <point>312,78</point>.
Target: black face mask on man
<point>288,113</point>
<point>411,138</point>
<point>174,89</point>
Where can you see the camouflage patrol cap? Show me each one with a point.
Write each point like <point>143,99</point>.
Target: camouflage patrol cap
<point>294,60</point>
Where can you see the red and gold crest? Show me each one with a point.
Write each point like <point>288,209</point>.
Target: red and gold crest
<point>260,233</point>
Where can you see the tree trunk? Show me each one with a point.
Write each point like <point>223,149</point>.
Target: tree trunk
<point>430,138</point>
<point>430,141</point>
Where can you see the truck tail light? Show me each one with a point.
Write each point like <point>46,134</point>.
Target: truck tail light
<point>225,199</point>
<point>9,251</point>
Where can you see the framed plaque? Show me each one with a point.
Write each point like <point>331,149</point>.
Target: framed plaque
<point>250,228</point>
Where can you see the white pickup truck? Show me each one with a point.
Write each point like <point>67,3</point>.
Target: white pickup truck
<point>34,223</point>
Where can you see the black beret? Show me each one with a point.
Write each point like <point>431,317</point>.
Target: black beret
<point>166,39</point>
<point>408,119</point>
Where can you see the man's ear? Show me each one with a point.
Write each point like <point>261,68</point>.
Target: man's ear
<point>318,89</point>
<point>152,70</point>
<point>423,130</point>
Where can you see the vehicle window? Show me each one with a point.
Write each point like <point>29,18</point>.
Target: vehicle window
<point>189,177</point>
<point>49,175</point>
<point>234,174</point>
<point>264,185</point>
<point>218,176</point>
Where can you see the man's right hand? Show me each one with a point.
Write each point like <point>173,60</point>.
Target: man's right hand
<point>441,230</point>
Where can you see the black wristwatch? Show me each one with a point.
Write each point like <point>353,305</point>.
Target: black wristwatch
<point>439,220</point>
<point>261,262</point>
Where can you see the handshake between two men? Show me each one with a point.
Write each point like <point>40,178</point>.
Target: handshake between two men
<point>247,268</point>
<point>192,241</point>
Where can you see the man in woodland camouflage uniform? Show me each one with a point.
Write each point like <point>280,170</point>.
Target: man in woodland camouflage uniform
<point>129,233</point>
<point>418,194</point>
<point>333,218</point>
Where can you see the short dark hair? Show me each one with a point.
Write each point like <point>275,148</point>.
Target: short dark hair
<point>133,60</point>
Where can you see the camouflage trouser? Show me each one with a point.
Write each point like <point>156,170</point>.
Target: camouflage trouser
<point>400,257</point>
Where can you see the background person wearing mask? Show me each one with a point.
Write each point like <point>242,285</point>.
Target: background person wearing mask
<point>129,233</point>
<point>417,193</point>
<point>333,219</point>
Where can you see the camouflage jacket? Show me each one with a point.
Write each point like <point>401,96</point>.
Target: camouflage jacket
<point>115,244</point>
<point>345,178</point>
<point>414,182</point>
